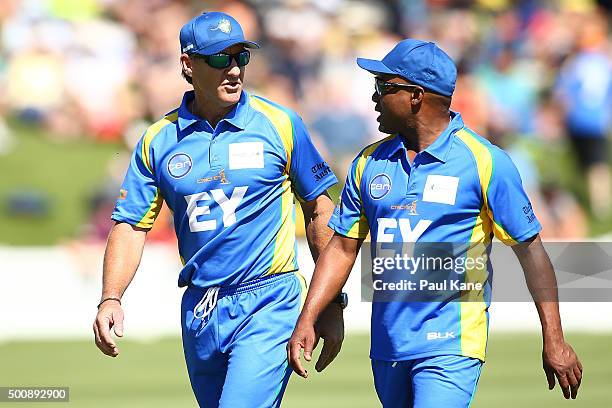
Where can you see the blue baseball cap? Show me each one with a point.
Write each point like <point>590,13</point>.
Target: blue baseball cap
<point>211,33</point>
<point>420,62</point>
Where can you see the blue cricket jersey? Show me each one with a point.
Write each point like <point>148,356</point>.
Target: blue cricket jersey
<point>460,189</point>
<point>231,189</point>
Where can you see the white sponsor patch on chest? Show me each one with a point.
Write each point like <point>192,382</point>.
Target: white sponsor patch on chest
<point>441,189</point>
<point>246,155</point>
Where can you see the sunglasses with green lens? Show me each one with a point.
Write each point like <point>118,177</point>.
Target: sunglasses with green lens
<point>223,60</point>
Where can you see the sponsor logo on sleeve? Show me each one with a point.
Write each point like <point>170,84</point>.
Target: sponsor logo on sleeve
<point>320,170</point>
<point>529,215</point>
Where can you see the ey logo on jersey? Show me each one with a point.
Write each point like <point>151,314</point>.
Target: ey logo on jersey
<point>380,186</point>
<point>388,226</point>
<point>228,207</point>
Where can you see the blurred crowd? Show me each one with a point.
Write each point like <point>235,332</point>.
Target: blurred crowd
<point>535,76</point>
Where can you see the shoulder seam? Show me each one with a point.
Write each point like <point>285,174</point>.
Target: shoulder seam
<point>490,149</point>
<point>284,131</point>
<point>271,103</point>
<point>362,159</point>
<point>368,151</point>
<point>152,131</point>
<point>482,172</point>
<point>371,148</point>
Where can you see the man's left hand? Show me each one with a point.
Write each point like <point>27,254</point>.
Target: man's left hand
<point>330,327</point>
<point>560,361</point>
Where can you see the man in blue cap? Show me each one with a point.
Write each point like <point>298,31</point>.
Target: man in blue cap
<point>432,182</point>
<point>229,165</point>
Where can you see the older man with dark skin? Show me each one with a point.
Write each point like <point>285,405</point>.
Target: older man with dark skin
<point>228,164</point>
<point>432,181</point>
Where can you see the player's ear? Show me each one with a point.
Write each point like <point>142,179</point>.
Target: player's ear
<point>417,96</point>
<point>186,65</point>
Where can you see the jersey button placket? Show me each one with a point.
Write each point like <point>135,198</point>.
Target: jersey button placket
<point>414,167</point>
<point>216,154</point>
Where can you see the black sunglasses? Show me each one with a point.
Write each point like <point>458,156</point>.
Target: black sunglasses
<point>383,87</point>
<point>223,60</point>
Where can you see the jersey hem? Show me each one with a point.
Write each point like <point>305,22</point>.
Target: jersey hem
<point>344,232</point>
<point>120,218</point>
<point>527,235</point>
<point>430,353</point>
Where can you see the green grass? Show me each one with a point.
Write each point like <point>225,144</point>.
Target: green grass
<point>65,172</point>
<point>153,374</point>
<point>557,166</point>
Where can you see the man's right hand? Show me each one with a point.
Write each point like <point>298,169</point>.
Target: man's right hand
<point>110,315</point>
<point>304,337</point>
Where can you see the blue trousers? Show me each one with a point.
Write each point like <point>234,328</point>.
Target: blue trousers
<point>446,381</point>
<point>236,356</point>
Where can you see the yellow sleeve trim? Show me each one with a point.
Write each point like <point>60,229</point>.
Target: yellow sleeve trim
<point>503,235</point>
<point>360,229</point>
<point>148,219</point>
<point>150,134</point>
<point>281,122</point>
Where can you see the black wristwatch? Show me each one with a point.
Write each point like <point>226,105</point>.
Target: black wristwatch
<point>342,300</point>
